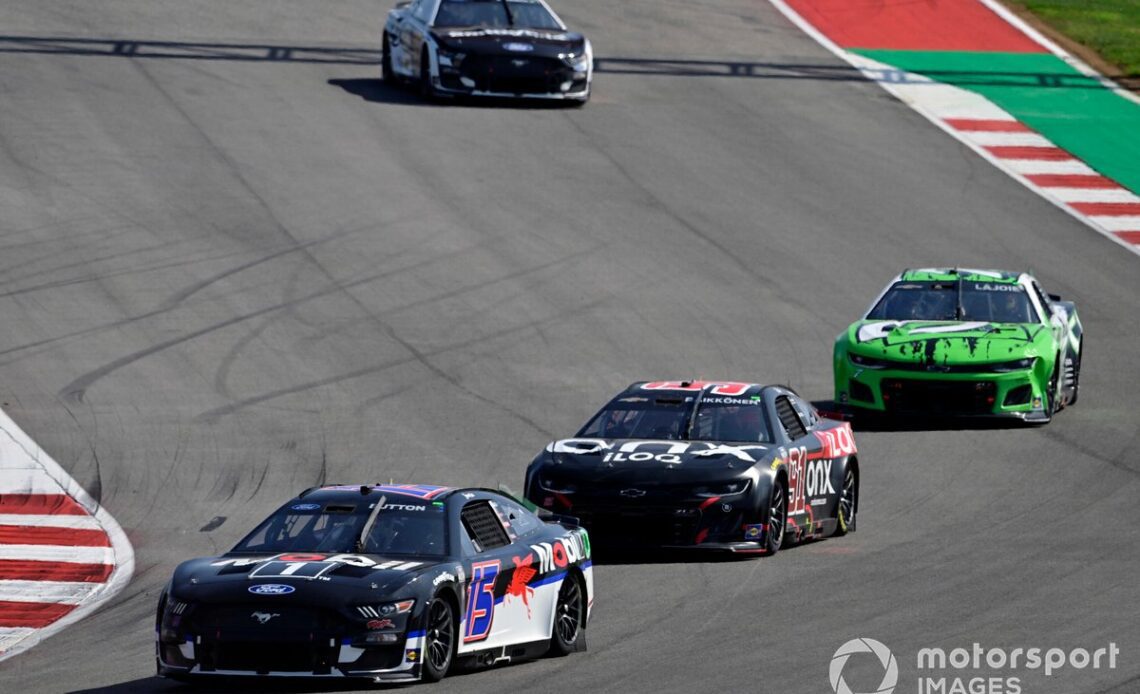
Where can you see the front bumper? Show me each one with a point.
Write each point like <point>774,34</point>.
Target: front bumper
<point>323,649</point>
<point>499,77</point>
<point>1019,394</point>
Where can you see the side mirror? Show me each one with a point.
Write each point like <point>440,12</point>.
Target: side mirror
<point>1054,297</point>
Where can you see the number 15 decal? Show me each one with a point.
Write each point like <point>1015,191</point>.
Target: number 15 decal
<point>481,600</point>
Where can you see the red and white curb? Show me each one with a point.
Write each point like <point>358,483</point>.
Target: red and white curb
<point>1055,174</point>
<point>61,554</point>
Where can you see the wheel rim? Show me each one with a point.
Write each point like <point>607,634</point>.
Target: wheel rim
<point>440,635</point>
<point>568,616</point>
<point>776,517</point>
<point>847,500</point>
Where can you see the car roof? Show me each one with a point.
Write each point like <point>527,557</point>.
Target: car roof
<point>345,493</point>
<point>953,274</point>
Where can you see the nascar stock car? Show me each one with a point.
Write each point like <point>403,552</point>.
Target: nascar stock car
<point>500,48</point>
<point>961,343</point>
<point>729,466</point>
<point>388,582</point>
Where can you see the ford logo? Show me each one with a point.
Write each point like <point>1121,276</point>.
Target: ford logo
<point>271,589</point>
<point>518,47</point>
<point>305,507</point>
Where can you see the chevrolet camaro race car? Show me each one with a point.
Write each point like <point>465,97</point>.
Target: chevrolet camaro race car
<point>736,467</point>
<point>389,583</point>
<point>961,343</point>
<point>499,48</point>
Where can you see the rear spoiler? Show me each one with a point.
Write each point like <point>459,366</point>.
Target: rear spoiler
<point>538,511</point>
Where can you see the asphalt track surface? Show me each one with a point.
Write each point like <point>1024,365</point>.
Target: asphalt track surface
<point>231,275</point>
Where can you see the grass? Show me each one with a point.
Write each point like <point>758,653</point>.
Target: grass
<point>1109,27</point>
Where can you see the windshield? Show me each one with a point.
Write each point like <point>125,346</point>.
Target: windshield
<point>517,14</point>
<point>415,528</point>
<point>718,418</point>
<point>942,301</point>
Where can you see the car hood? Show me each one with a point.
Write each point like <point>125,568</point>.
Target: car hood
<point>231,576</point>
<point>515,42</point>
<point>945,342</point>
<point>621,460</point>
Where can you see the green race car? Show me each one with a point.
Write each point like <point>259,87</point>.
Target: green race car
<point>961,342</point>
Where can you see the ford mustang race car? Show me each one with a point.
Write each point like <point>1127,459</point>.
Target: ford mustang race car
<point>736,467</point>
<point>389,583</point>
<point>961,343</point>
<point>501,48</point>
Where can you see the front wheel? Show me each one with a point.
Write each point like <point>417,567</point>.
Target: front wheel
<point>569,615</point>
<point>845,515</point>
<point>386,70</point>
<point>427,90</point>
<point>439,640</point>
<point>777,518</point>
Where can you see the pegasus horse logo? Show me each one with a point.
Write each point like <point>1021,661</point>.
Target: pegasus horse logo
<point>523,573</point>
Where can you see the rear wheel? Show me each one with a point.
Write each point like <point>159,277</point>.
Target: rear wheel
<point>777,517</point>
<point>439,640</point>
<point>845,516</point>
<point>569,615</point>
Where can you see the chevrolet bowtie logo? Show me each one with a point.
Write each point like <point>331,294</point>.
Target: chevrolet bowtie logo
<point>633,493</point>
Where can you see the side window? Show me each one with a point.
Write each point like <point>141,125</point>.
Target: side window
<point>806,412</point>
<point>789,419</point>
<point>1043,299</point>
<point>517,518</point>
<point>483,526</point>
<point>421,10</point>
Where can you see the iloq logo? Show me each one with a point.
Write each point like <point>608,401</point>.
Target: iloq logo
<point>271,589</point>
<point>886,658</point>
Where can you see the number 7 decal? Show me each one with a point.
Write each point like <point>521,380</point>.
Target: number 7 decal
<point>481,600</point>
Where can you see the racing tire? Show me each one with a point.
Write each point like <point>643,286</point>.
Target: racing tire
<point>1077,373</point>
<point>439,640</point>
<point>1055,394</point>
<point>848,503</point>
<point>386,71</point>
<point>427,91</point>
<point>569,616</point>
<point>777,518</point>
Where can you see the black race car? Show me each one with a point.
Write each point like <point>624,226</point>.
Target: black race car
<point>691,464</point>
<point>500,48</point>
<point>385,582</point>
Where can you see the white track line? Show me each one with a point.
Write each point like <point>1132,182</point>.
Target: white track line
<point>66,592</point>
<point>62,553</point>
<point>941,102</point>
<point>24,463</point>
<point>1093,194</point>
<point>46,521</point>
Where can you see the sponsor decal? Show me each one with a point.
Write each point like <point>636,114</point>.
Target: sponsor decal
<point>669,453</point>
<point>818,502</point>
<point>754,400</point>
<point>718,387</point>
<point>403,507</point>
<point>634,400</point>
<point>293,569</point>
<point>991,287</point>
<point>263,617</point>
<point>459,573</point>
<point>753,531</point>
<point>518,33</point>
<point>818,478</point>
<point>271,589</point>
<point>412,655</point>
<point>443,578</point>
<point>350,559</point>
<point>517,47</point>
<point>376,624</point>
<point>524,571</point>
<point>837,442</point>
<point>305,507</point>
<point>561,553</point>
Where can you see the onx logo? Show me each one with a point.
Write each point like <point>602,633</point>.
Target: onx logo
<point>880,651</point>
